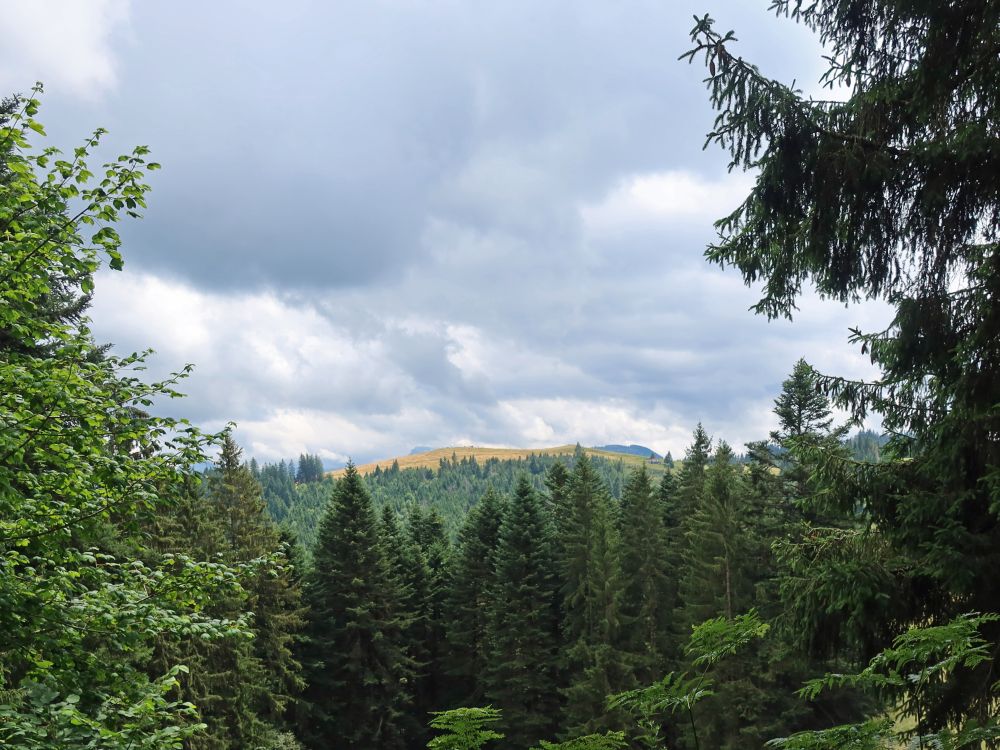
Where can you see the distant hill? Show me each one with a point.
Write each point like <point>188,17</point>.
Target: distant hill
<point>450,480</point>
<point>634,450</point>
<point>420,449</point>
<point>432,459</point>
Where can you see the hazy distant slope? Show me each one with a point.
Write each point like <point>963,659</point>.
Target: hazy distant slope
<point>636,450</point>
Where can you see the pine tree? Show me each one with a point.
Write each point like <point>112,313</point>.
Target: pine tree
<point>356,662</point>
<point>888,193</point>
<point>521,679</point>
<point>469,597</point>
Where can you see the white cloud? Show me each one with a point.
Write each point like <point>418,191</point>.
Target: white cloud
<point>554,421</point>
<point>66,44</point>
<point>666,197</point>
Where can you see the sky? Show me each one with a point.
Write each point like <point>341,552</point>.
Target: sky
<point>400,223</point>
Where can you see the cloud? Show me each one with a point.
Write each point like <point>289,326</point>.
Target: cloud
<point>393,224</point>
<point>666,198</point>
<point>66,44</point>
<point>297,377</point>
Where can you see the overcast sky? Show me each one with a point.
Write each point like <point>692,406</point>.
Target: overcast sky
<point>383,224</point>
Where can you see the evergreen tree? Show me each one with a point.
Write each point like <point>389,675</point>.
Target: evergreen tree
<point>356,662</point>
<point>521,679</point>
<point>691,479</point>
<point>431,688</point>
<point>593,663</point>
<point>801,407</point>
<point>274,596</point>
<point>243,688</point>
<point>715,548</point>
<point>574,543</point>
<point>408,586</point>
<point>557,489</point>
<point>890,193</point>
<point>469,597</point>
<point>310,469</point>
<point>648,591</point>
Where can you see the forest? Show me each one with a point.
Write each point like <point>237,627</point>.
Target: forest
<point>817,588</point>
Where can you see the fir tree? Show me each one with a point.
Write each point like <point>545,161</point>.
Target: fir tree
<point>557,487</point>
<point>521,679</point>
<point>358,670</point>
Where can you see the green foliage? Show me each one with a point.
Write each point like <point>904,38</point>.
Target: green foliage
<point>521,678</point>
<point>718,542</point>
<point>432,686</point>
<point>919,661</point>
<point>592,589</point>
<point>452,489</point>
<point>470,596</point>
<point>649,593</point>
<point>888,194</point>
<point>710,643</point>
<point>310,469</point>
<point>357,667</point>
<point>82,464</point>
<point>801,407</point>
<point>242,688</point>
<point>465,728</point>
<point>606,741</point>
<point>874,734</point>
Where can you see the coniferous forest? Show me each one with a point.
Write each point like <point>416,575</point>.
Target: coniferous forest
<point>820,587</point>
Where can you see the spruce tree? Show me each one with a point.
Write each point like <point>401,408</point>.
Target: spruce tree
<point>715,545</point>
<point>407,585</point>
<point>648,591</point>
<point>432,688</point>
<point>574,544</point>
<point>593,663</point>
<point>521,678</point>
<point>801,407</point>
<point>357,667</point>
<point>691,478</point>
<point>890,192</point>
<point>469,598</point>
<point>243,688</point>
<point>557,487</point>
